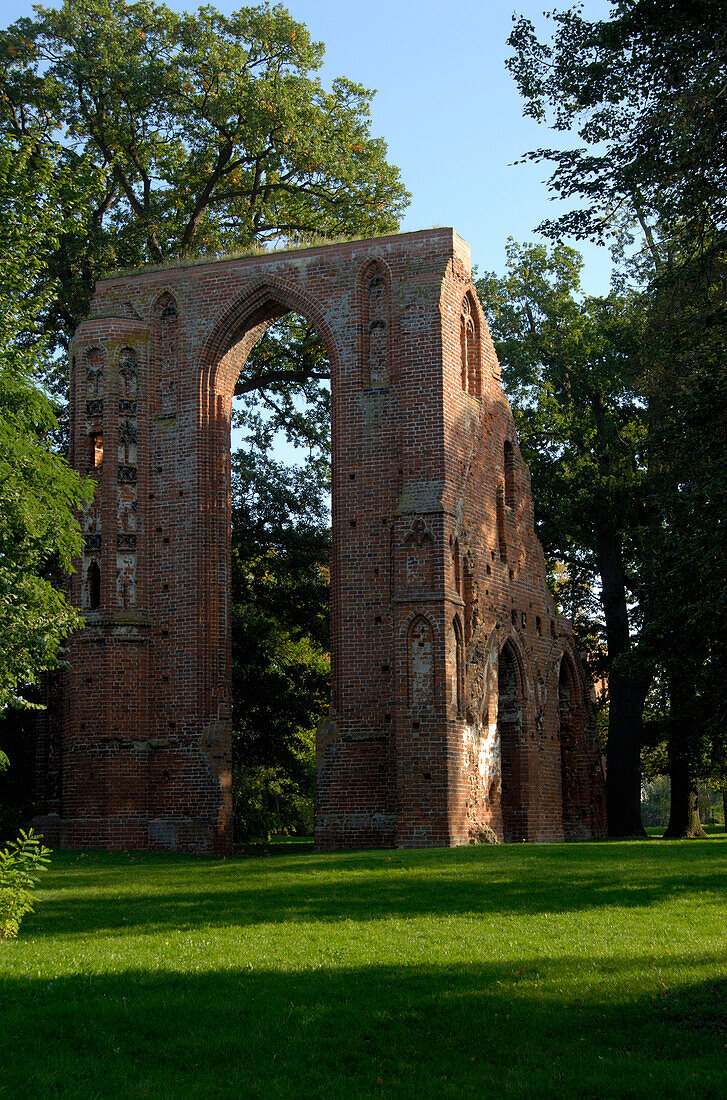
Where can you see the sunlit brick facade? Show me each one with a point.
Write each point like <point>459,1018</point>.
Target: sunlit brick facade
<point>458,701</point>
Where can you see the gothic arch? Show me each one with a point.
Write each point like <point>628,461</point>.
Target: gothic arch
<point>574,770</point>
<point>567,670</point>
<point>562,649</point>
<point>512,743</point>
<point>245,320</point>
<point>234,334</point>
<point>412,616</point>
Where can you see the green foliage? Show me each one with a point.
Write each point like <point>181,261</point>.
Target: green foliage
<point>18,741</point>
<point>280,639</point>
<point>269,803</point>
<point>39,494</point>
<point>686,383</point>
<point>284,391</point>
<point>645,90</point>
<point>571,371</point>
<point>203,133</point>
<point>21,864</point>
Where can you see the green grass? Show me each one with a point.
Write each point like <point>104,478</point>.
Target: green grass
<point>589,970</point>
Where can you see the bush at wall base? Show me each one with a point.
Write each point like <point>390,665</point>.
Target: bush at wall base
<point>21,864</point>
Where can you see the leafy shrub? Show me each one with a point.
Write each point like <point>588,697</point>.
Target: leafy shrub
<point>268,803</point>
<point>21,864</point>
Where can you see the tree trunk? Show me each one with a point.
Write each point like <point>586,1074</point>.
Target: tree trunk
<point>684,798</point>
<point>684,803</point>
<point>623,756</point>
<point>724,807</point>
<point>626,695</point>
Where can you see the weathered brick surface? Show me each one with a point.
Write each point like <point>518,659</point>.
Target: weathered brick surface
<point>437,576</point>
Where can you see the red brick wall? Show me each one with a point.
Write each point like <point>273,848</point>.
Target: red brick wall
<point>427,583</point>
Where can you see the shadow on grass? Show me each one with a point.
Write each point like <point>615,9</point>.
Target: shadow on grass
<point>159,891</point>
<point>422,1031</point>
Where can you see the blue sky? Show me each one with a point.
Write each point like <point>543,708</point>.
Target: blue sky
<point>447,107</point>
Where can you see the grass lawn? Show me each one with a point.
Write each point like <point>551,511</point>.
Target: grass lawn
<point>590,970</point>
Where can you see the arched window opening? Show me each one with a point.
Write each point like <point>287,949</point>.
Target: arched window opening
<point>457,568</point>
<point>284,503</point>
<point>94,585</point>
<point>509,463</point>
<point>469,349</point>
<point>513,766</point>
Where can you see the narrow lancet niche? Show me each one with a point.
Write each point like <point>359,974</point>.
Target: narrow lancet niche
<point>167,354</point>
<point>509,469</point>
<point>421,664</point>
<point>376,307</point>
<point>469,348</point>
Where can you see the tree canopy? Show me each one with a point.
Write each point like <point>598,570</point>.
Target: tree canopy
<point>39,495</point>
<point>571,370</point>
<point>192,133</point>
<point>644,91</point>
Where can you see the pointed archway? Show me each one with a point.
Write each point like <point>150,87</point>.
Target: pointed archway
<point>511,737</point>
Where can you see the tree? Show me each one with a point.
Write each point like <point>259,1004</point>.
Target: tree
<point>39,494</point>
<point>206,133</point>
<point>280,639</point>
<point>284,390</point>
<point>687,549</point>
<point>645,91</point>
<point>571,370</point>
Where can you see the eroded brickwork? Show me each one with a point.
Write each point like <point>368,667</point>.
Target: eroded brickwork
<point>458,702</point>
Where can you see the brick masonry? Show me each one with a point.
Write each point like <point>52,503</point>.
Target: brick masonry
<point>458,701</point>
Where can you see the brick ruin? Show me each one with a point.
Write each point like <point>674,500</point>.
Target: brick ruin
<point>458,702</point>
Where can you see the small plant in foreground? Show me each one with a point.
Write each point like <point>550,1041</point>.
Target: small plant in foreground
<point>21,864</point>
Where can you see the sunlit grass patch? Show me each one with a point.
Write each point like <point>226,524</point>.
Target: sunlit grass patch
<point>566,970</point>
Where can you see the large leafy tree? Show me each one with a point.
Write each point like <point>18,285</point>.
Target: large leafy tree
<point>644,90</point>
<point>207,132</point>
<point>570,368</point>
<point>39,495</point>
<point>686,633</point>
